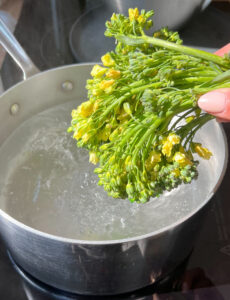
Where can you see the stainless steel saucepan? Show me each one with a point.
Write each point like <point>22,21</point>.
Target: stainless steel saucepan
<point>61,227</point>
<point>173,14</point>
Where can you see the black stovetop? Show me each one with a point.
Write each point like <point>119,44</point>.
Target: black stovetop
<point>207,270</point>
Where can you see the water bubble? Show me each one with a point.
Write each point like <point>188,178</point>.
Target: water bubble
<point>47,183</point>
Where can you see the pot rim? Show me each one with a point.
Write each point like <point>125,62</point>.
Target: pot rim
<point>66,240</point>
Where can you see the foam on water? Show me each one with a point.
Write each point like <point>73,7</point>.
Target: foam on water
<point>47,183</point>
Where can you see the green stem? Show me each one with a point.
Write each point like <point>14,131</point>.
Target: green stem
<point>115,103</point>
<point>200,90</point>
<point>127,95</point>
<point>182,117</point>
<point>204,119</point>
<point>136,40</point>
<point>185,130</point>
<point>222,77</point>
<point>170,114</point>
<point>135,139</point>
<point>148,132</point>
<point>129,134</point>
<point>192,80</point>
<point>142,88</point>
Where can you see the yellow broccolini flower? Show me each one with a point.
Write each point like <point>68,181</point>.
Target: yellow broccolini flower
<point>105,84</point>
<point>173,138</point>
<point>86,137</point>
<point>78,134</point>
<point>93,157</point>
<point>141,19</point>
<point>133,13</point>
<point>114,74</point>
<point>97,91</point>
<point>167,148</point>
<point>176,172</point>
<point>181,159</point>
<point>96,105</point>
<point>98,71</point>
<point>168,143</point>
<point>153,159</point>
<point>202,151</point>
<point>104,134</point>
<point>85,109</point>
<point>107,60</point>
<point>80,129</point>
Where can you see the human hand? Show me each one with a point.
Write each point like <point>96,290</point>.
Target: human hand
<point>217,102</point>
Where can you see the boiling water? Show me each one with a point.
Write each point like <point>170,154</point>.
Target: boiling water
<point>46,182</point>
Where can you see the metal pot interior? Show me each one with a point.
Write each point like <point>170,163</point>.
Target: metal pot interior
<point>47,183</point>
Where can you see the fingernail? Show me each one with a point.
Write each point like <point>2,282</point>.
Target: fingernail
<point>213,102</point>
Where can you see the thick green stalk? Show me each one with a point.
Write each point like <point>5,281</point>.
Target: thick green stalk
<point>137,40</point>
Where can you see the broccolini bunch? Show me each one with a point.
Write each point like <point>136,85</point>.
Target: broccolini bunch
<point>141,115</point>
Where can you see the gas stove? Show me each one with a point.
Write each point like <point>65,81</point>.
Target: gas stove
<point>17,284</point>
<point>57,28</point>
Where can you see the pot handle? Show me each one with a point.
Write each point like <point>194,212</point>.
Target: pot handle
<point>11,45</point>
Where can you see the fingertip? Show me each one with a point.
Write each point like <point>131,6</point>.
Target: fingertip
<point>223,50</point>
<point>213,102</point>
<point>221,120</point>
<point>216,103</point>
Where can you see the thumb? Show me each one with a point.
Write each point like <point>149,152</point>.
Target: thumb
<point>217,103</point>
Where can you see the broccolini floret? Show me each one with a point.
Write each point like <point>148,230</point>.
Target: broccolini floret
<point>141,115</point>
